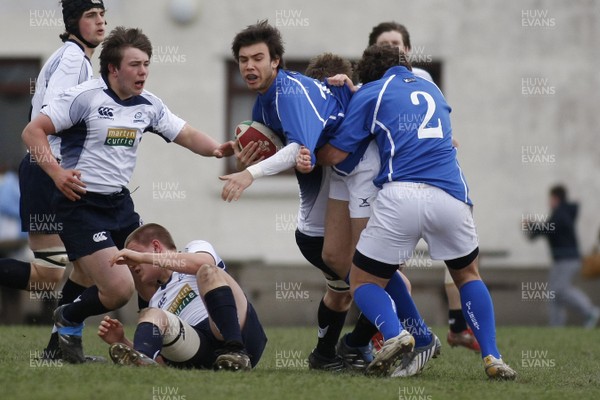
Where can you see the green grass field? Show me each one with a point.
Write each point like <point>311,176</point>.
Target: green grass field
<point>552,364</point>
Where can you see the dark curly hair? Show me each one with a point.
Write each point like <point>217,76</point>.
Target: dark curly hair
<point>261,32</point>
<point>326,65</point>
<point>376,60</point>
<point>387,27</point>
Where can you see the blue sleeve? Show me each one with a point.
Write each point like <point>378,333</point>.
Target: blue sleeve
<point>300,118</point>
<point>356,126</point>
<point>257,113</point>
<point>342,93</point>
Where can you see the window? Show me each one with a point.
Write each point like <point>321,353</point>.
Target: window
<point>17,83</point>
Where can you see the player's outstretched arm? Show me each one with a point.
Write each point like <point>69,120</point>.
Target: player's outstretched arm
<point>111,331</point>
<point>235,184</point>
<point>202,144</point>
<point>35,137</point>
<point>185,263</point>
<point>131,258</point>
<point>329,155</point>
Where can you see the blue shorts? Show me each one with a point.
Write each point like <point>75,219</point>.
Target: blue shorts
<point>37,190</point>
<point>95,222</point>
<point>253,335</point>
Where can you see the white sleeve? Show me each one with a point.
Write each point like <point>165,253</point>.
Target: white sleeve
<point>279,162</point>
<point>167,125</point>
<point>201,246</point>
<point>67,109</point>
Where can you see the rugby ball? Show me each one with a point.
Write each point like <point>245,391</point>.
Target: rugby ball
<point>252,131</point>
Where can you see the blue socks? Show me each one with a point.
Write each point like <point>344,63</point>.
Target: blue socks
<point>377,305</point>
<point>407,311</point>
<point>478,310</point>
<point>373,301</point>
<point>147,339</point>
<point>221,307</point>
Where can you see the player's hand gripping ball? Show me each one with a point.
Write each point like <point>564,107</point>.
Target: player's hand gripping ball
<point>252,131</point>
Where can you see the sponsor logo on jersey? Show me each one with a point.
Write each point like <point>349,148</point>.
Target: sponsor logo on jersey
<point>120,137</point>
<point>137,118</point>
<point>99,237</point>
<point>105,112</point>
<point>183,298</point>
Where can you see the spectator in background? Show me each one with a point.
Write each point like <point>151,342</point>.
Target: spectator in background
<point>559,229</point>
<point>13,243</point>
<point>10,222</point>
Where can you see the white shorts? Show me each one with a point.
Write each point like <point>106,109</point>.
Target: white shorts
<point>405,212</point>
<point>180,341</point>
<point>357,187</point>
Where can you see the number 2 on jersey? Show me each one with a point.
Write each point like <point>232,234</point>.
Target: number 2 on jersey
<point>425,132</point>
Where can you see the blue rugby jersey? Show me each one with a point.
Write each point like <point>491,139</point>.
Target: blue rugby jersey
<point>410,120</point>
<point>303,110</point>
<point>299,109</point>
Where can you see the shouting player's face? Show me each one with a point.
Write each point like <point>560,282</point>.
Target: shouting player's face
<point>129,79</point>
<point>257,67</point>
<point>91,25</point>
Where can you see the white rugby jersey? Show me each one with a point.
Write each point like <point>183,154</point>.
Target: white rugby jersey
<point>67,67</point>
<point>180,295</point>
<point>100,133</point>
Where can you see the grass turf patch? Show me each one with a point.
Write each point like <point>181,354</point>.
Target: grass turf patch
<point>552,364</point>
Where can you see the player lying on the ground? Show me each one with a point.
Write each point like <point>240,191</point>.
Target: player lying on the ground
<point>198,316</point>
<point>423,195</point>
<point>102,122</point>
